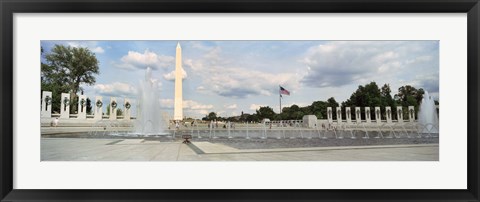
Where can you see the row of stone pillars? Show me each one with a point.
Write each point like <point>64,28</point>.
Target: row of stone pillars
<point>367,112</point>
<point>46,111</point>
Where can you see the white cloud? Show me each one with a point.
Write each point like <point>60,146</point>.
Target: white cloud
<point>190,104</point>
<point>256,106</point>
<point>98,49</point>
<point>116,89</point>
<point>232,106</point>
<point>339,63</point>
<point>136,60</point>
<point>171,76</point>
<point>187,104</point>
<point>223,78</point>
<point>166,103</point>
<point>91,45</point>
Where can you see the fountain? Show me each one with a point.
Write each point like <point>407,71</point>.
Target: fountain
<point>427,116</point>
<point>149,120</point>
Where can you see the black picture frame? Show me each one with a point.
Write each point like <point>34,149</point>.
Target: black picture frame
<point>10,7</point>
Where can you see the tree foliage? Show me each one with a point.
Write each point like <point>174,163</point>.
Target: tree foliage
<point>265,113</point>
<point>65,69</point>
<point>210,117</point>
<point>409,96</point>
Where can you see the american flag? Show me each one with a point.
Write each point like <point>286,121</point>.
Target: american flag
<point>284,91</point>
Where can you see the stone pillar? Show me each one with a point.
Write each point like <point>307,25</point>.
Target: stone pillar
<point>400,114</point>
<point>113,108</point>
<point>127,106</point>
<point>348,115</point>
<point>388,114</point>
<point>82,107</point>
<point>367,115</point>
<point>98,108</point>
<point>358,115</point>
<point>329,115</point>
<point>339,115</point>
<point>378,115</point>
<point>65,106</point>
<point>411,113</point>
<point>46,111</point>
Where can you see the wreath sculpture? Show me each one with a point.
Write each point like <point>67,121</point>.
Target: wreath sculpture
<point>48,100</point>
<point>66,101</point>
<point>99,103</point>
<point>114,104</point>
<point>82,102</point>
<point>127,105</point>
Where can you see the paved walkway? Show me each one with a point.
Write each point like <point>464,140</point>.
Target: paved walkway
<point>79,149</point>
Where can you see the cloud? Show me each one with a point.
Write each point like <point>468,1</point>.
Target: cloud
<point>187,104</point>
<point>340,63</point>
<point>256,106</point>
<point>190,104</point>
<point>136,60</point>
<point>232,106</point>
<point>91,45</point>
<point>116,89</point>
<point>227,79</point>
<point>429,82</point>
<point>171,76</point>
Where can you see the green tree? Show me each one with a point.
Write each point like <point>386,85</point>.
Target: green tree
<point>66,68</point>
<point>211,116</point>
<point>265,112</point>
<point>89,106</point>
<point>252,117</point>
<point>371,96</point>
<point>119,112</point>
<point>331,102</point>
<point>319,109</point>
<point>409,96</point>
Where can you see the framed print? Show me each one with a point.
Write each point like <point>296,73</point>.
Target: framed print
<point>239,101</point>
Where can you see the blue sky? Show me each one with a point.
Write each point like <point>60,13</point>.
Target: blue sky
<point>229,77</point>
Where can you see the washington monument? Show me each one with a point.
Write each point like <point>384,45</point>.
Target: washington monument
<point>178,107</point>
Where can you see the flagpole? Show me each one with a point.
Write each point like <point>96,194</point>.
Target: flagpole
<point>280,103</point>
<point>280,98</point>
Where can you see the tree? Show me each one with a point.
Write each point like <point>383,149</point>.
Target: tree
<point>331,102</point>
<point>89,106</point>
<point>211,116</point>
<point>371,96</point>
<point>409,96</point>
<point>265,112</point>
<point>119,112</point>
<point>66,68</point>
<point>319,109</point>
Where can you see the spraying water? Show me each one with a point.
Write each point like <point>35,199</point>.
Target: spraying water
<point>427,115</point>
<point>149,118</point>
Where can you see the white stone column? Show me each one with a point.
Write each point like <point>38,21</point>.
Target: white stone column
<point>46,111</point>
<point>348,115</point>
<point>388,114</point>
<point>98,108</point>
<point>82,107</point>
<point>411,113</point>
<point>368,119</point>
<point>65,106</point>
<point>400,114</point>
<point>358,115</point>
<point>339,115</point>
<point>127,106</point>
<point>329,114</point>
<point>113,108</point>
<point>378,115</point>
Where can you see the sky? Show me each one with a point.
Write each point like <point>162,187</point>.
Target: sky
<point>231,77</point>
